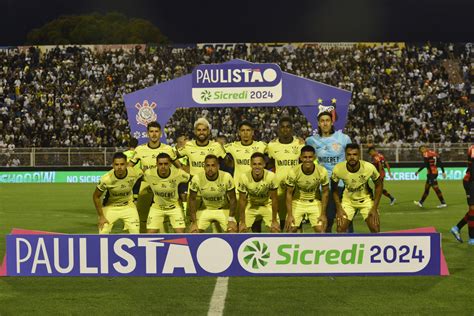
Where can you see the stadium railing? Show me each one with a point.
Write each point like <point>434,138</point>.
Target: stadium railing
<point>102,157</point>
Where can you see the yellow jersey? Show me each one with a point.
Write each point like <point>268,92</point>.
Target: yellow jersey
<point>119,190</point>
<point>165,190</point>
<point>241,155</point>
<point>213,193</point>
<point>306,186</point>
<point>257,191</point>
<point>286,157</point>
<point>356,183</point>
<point>196,154</point>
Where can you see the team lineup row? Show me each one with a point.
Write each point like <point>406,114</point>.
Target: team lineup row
<point>298,188</point>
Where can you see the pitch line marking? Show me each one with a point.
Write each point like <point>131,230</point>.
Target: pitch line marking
<point>216,307</point>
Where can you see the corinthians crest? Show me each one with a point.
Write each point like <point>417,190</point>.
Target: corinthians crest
<point>146,113</point>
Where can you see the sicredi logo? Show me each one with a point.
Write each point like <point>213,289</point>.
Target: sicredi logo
<point>293,255</point>
<point>236,75</point>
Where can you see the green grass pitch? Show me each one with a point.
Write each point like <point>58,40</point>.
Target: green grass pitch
<point>68,208</point>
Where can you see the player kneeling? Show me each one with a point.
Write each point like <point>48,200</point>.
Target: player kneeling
<point>257,187</point>
<point>303,184</point>
<point>217,190</point>
<point>164,182</point>
<point>355,174</point>
<point>118,202</point>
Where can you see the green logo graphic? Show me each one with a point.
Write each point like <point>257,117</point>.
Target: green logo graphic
<point>256,254</point>
<point>206,95</point>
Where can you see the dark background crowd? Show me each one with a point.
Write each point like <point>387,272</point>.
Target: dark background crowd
<point>72,97</point>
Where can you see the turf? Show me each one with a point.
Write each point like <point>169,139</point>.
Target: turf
<point>68,208</point>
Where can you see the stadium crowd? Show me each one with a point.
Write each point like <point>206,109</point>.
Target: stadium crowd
<point>72,97</point>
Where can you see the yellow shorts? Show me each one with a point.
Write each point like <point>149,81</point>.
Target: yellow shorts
<point>312,209</point>
<point>128,213</point>
<point>265,211</point>
<point>206,217</point>
<point>157,216</point>
<point>351,206</point>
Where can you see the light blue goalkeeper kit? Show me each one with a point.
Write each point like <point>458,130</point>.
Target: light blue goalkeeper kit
<point>330,150</point>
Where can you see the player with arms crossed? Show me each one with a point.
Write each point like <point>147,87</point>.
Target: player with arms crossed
<point>468,183</point>
<point>378,160</point>
<point>145,155</point>
<point>256,188</point>
<point>218,196</point>
<point>302,191</point>
<point>431,161</point>
<point>355,174</point>
<point>164,182</point>
<point>118,202</point>
<point>329,145</point>
<point>284,153</point>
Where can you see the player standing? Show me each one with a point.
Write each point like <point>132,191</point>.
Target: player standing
<point>302,191</point>
<point>329,145</point>
<point>239,153</point>
<point>355,174</point>
<point>468,183</point>
<point>196,150</point>
<point>146,154</point>
<point>431,162</point>
<point>284,153</point>
<point>118,202</point>
<point>378,160</point>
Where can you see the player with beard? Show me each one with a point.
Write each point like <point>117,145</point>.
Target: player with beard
<point>358,196</point>
<point>218,198</point>
<point>196,150</point>
<point>118,202</point>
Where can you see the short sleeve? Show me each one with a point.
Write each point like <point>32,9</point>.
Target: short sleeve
<point>102,186</point>
<point>324,176</point>
<point>182,151</point>
<point>335,176</point>
<point>272,181</point>
<point>375,174</point>
<point>291,179</point>
<point>184,176</point>
<point>220,152</point>
<point>194,186</point>
<point>229,182</point>
<point>242,187</point>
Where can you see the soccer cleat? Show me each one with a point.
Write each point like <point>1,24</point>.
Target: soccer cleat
<point>442,205</point>
<point>456,233</point>
<point>392,201</point>
<point>471,242</point>
<point>417,203</point>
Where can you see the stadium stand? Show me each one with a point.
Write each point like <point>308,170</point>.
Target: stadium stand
<point>72,97</point>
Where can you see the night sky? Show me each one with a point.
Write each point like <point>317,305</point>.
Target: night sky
<point>263,21</point>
